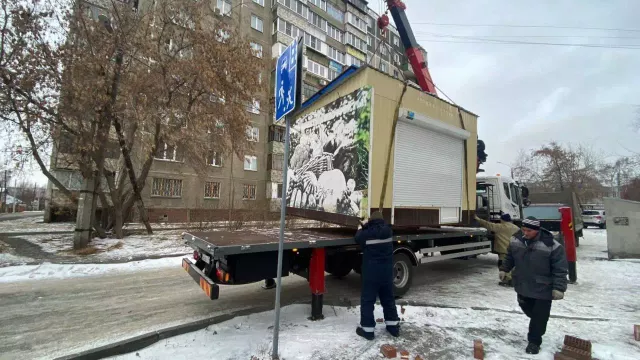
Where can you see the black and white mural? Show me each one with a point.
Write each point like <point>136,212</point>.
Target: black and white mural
<point>329,158</point>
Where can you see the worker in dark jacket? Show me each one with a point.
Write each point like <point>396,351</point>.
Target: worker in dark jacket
<point>375,239</point>
<point>540,276</point>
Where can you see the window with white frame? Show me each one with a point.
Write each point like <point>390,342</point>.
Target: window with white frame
<point>289,29</point>
<point>259,2</point>
<point>396,40</point>
<point>356,42</point>
<point>313,42</point>
<point>167,152</point>
<point>333,74</point>
<point>214,159</point>
<point>254,107</point>
<point>336,55</point>
<point>257,49</point>
<point>253,133</point>
<point>212,190</point>
<point>396,58</point>
<point>248,192</point>
<point>396,74</point>
<point>383,49</point>
<point>369,40</point>
<point>335,33</point>
<point>315,68</point>
<point>322,4</point>
<point>256,23</point>
<point>335,12</point>
<point>250,163</point>
<point>163,187</point>
<point>384,67</point>
<point>352,60</point>
<point>356,21</point>
<point>317,21</point>
<point>224,6</point>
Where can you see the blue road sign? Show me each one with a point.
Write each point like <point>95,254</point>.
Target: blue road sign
<point>286,71</point>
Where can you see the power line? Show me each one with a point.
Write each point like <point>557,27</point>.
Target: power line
<point>480,40</point>
<point>528,26</point>
<point>548,36</point>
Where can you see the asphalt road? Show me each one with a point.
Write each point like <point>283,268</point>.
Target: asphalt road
<point>46,319</point>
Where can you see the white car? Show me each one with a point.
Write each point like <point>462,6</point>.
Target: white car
<point>594,218</point>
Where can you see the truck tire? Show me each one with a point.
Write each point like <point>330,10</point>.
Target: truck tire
<point>339,265</point>
<point>402,274</point>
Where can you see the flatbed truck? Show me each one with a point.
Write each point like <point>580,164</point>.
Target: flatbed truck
<point>248,256</point>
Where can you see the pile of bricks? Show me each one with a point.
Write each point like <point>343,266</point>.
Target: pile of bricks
<point>574,349</point>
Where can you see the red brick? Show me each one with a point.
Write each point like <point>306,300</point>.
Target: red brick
<point>577,343</point>
<point>636,332</point>
<point>379,320</point>
<point>575,353</point>
<point>389,351</point>
<point>478,349</point>
<point>404,355</point>
<point>561,356</point>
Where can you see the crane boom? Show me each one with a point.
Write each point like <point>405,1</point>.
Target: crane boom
<point>412,49</point>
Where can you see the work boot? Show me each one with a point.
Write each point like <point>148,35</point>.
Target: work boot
<point>533,348</point>
<point>394,330</point>
<point>365,334</point>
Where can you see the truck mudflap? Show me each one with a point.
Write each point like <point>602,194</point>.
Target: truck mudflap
<point>207,285</point>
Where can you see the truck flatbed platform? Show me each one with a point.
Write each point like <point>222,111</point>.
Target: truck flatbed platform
<point>224,242</point>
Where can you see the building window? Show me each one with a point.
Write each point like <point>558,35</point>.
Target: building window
<point>352,60</point>
<point>384,67</point>
<point>356,42</point>
<point>315,68</point>
<point>396,74</point>
<point>396,58</point>
<point>335,33</point>
<point>259,2</point>
<point>275,162</point>
<point>383,49</point>
<point>163,187</point>
<point>336,55</point>
<point>278,191</point>
<point>224,6</point>
<point>214,159</point>
<point>168,152</point>
<point>253,133</point>
<point>250,163</point>
<point>335,12</point>
<point>212,190</point>
<point>223,35</point>
<point>277,133</point>
<point>322,4</point>
<point>357,22</point>
<point>333,74</point>
<point>254,108</point>
<point>369,40</point>
<point>308,90</point>
<point>396,40</point>
<point>256,23</point>
<point>257,49</point>
<point>317,21</point>
<point>248,192</point>
<point>313,42</point>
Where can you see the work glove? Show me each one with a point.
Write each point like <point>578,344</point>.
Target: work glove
<point>502,275</point>
<point>557,295</point>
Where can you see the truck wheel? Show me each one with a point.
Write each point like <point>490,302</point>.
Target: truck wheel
<point>402,274</point>
<point>339,266</point>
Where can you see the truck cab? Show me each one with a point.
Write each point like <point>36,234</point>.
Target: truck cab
<point>506,196</point>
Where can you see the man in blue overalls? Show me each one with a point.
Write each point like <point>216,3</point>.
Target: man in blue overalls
<point>375,239</point>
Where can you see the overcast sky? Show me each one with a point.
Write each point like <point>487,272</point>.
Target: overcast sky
<point>528,95</point>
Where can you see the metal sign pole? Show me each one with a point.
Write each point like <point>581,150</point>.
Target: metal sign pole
<point>283,213</point>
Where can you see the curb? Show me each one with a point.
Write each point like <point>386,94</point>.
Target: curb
<point>142,341</point>
<point>139,342</point>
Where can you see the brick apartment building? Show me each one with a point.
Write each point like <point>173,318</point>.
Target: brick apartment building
<point>336,33</point>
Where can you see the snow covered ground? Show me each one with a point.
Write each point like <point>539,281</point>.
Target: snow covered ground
<point>602,307</point>
<point>32,224</point>
<point>47,271</point>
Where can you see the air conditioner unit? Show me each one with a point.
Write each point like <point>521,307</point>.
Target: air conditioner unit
<point>323,82</point>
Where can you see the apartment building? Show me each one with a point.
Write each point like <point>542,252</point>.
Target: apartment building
<point>336,34</point>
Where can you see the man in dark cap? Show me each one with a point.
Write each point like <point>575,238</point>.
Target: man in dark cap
<point>376,240</point>
<point>540,276</point>
<point>503,230</point>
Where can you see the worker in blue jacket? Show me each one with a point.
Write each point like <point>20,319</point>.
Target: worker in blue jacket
<point>375,239</point>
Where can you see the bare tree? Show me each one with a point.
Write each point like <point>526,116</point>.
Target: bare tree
<point>164,78</point>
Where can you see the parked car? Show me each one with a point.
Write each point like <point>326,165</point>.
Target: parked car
<point>594,218</point>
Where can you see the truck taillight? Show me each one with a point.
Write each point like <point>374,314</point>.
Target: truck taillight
<point>222,275</point>
<point>196,255</point>
<point>599,217</point>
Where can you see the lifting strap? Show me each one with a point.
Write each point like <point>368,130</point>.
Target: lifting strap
<point>383,193</point>
<point>466,169</point>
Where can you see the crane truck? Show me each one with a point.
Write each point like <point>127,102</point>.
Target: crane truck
<point>247,256</point>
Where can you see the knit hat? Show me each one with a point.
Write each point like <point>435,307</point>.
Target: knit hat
<point>531,223</point>
<point>505,217</point>
<point>376,215</point>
